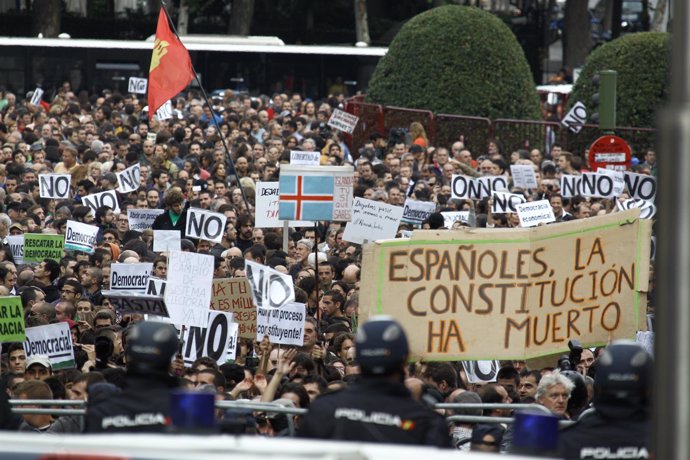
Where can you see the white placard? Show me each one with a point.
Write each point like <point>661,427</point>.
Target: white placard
<point>647,208</point>
<point>570,185</point>
<point>213,340</point>
<point>137,85</point>
<point>151,137</point>
<point>129,180</point>
<point>575,118</point>
<point>465,187</point>
<point>36,97</point>
<point>142,219</point>
<point>481,371</point>
<point>81,237</point>
<point>618,180</point>
<point>131,302</point>
<point>166,240</point>
<point>55,186</point>
<point>188,297</point>
<point>205,225</point>
<point>156,286</point>
<point>267,200</point>
<point>96,200</point>
<point>504,202</point>
<point>535,213</point>
<point>641,186</point>
<point>595,185</point>
<point>523,176</point>
<point>133,278</point>
<point>415,212</point>
<point>283,325</point>
<point>16,243</point>
<point>53,341</point>
<point>298,157</point>
<point>450,217</point>
<point>270,288</point>
<point>165,112</point>
<point>343,121</point>
<point>371,221</point>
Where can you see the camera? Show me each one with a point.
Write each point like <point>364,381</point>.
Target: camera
<point>570,361</point>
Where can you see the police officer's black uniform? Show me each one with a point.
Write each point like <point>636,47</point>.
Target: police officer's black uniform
<point>144,404</point>
<point>619,425</point>
<point>378,408</point>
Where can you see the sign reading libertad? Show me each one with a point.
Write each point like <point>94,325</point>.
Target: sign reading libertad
<point>518,293</point>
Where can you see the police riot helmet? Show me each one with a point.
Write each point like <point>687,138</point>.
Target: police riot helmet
<point>150,347</point>
<point>381,346</point>
<point>623,380</point>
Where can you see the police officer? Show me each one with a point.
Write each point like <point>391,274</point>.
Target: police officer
<point>619,426</point>
<point>378,407</point>
<point>143,405</point>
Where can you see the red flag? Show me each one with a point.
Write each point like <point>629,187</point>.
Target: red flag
<point>171,68</point>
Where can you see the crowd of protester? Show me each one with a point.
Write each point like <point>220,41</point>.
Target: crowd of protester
<point>211,157</point>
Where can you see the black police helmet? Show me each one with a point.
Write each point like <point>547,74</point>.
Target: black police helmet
<point>150,347</point>
<point>381,346</point>
<point>623,380</point>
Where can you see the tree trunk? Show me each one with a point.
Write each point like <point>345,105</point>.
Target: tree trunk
<point>362,22</point>
<point>241,17</point>
<point>46,18</point>
<point>182,18</point>
<point>577,37</point>
<point>659,13</point>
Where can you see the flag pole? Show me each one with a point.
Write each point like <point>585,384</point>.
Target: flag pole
<point>228,157</point>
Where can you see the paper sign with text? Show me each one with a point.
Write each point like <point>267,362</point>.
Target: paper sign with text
<point>129,180</point>
<point>53,341</point>
<point>372,220</point>
<point>156,286</point>
<point>142,219</point>
<point>298,157</point>
<point>647,208</point>
<point>267,200</point>
<point>415,212</point>
<point>165,112</point>
<point>535,212</point>
<point>450,217</point>
<point>595,185</point>
<point>36,96</point>
<point>503,202</point>
<point>640,186</point>
<point>213,340</point>
<point>205,225</point>
<point>618,180</point>
<point>465,187</point>
<point>137,85</point>
<point>188,288</point>
<point>524,176</point>
<point>130,277</point>
<point>80,237</point>
<point>16,243</point>
<point>269,287</point>
<point>481,371</point>
<point>39,246</point>
<point>283,325</point>
<point>166,240</point>
<point>130,302</point>
<point>11,320</point>
<point>343,121</point>
<point>235,295</point>
<point>521,294</point>
<point>316,193</point>
<point>576,118</point>
<point>55,186</point>
<point>96,200</point>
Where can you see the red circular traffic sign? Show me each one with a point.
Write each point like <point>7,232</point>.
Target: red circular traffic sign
<point>610,152</point>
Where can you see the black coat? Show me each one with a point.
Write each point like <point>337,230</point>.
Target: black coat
<point>374,410</point>
<point>163,222</point>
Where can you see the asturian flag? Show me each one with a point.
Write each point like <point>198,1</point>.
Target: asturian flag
<point>316,192</point>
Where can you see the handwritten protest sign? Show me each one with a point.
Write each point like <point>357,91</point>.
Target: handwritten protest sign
<point>372,220</point>
<point>205,225</point>
<point>213,340</point>
<point>52,340</point>
<point>16,243</point>
<point>481,371</point>
<point>142,219</point>
<point>283,325</point>
<point>465,187</point>
<point>504,202</point>
<point>298,157</point>
<point>415,212</point>
<point>234,295</point>
<point>137,85</point>
<point>267,203</point>
<point>513,294</point>
<point>450,217</point>
<point>54,186</point>
<point>39,246</point>
<point>156,286</point>
<point>125,302</point>
<point>96,200</point>
<point>343,121</point>
<point>188,290</point>
<point>269,287</point>
<point>640,186</point>
<point>130,277</point>
<point>11,320</point>
<point>535,213</point>
<point>523,176</point>
<point>80,237</point>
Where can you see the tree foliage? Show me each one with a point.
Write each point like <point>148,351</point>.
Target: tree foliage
<point>643,63</point>
<point>459,60</point>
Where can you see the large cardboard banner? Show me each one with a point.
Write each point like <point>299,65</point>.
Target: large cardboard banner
<point>479,294</point>
<point>372,220</point>
<point>53,341</point>
<point>11,320</point>
<point>234,295</point>
<point>38,246</point>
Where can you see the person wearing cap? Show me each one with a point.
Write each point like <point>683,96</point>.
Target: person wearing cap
<point>378,407</point>
<point>38,368</point>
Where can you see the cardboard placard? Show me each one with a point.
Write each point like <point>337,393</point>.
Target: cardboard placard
<point>96,200</point>
<point>165,112</point>
<point>39,246</point>
<point>523,176</point>
<point>54,186</point>
<point>53,341</point>
<point>133,278</point>
<point>11,320</point>
<point>142,219</point>
<point>534,213</point>
<point>213,340</point>
<point>156,286</point>
<point>473,295</point>
<point>465,187</point>
<point>343,121</point>
<point>283,325</point>
<point>137,85</point>
<point>80,237</point>
<point>129,180</point>
<point>269,287</point>
<point>235,295</point>
<point>205,225</point>
<point>372,220</point>
<point>504,202</point>
<point>188,288</point>
<point>300,158</point>
<point>640,186</point>
<point>415,212</point>
<point>575,118</point>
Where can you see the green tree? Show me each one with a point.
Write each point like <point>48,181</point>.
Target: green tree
<point>642,61</point>
<point>458,60</point>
